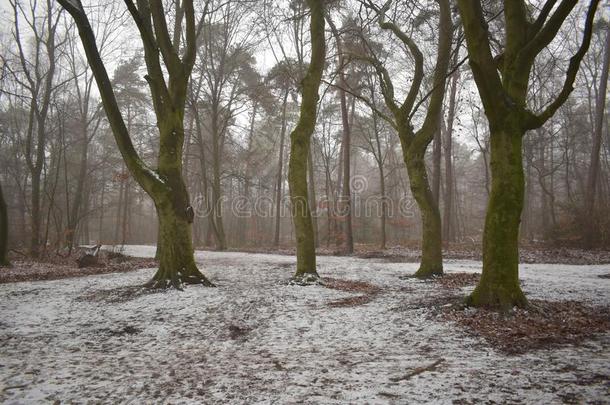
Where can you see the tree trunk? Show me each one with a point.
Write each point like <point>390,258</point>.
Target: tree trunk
<point>3,231</point>
<point>219,230</point>
<point>245,230</point>
<point>382,241</point>
<point>174,245</point>
<point>312,197</point>
<point>448,231</point>
<point>431,255</point>
<point>165,185</point>
<point>74,213</point>
<point>117,227</point>
<point>300,148</point>
<point>499,284</point>
<point>592,221</point>
<point>436,160</point>
<point>175,249</point>
<point>280,166</point>
<point>126,213</point>
<point>346,197</point>
<point>379,159</point>
<point>346,193</point>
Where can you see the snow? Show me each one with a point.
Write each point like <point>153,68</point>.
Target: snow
<point>255,339</point>
<point>154,174</point>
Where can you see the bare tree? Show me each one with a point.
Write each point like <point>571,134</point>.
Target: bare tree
<point>165,184</point>
<point>414,143</point>
<point>592,178</point>
<point>37,74</point>
<point>503,86</point>
<point>300,149</point>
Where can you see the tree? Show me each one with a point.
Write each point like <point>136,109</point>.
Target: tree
<point>346,196</point>
<point>3,231</point>
<point>415,143</point>
<point>133,103</point>
<point>593,175</point>
<point>165,184</point>
<point>300,148</point>
<point>38,79</point>
<point>448,228</point>
<point>88,121</point>
<point>374,136</point>
<point>281,76</point>
<point>503,83</point>
<point>225,57</point>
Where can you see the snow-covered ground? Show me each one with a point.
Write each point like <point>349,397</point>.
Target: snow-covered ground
<point>255,339</point>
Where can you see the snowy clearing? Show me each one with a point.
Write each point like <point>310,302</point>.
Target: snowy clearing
<point>255,339</point>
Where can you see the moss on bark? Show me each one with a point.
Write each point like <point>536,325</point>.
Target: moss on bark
<point>432,256</point>
<point>414,143</point>
<point>499,285</point>
<point>176,260</point>
<point>504,98</point>
<point>168,85</point>
<point>299,148</point>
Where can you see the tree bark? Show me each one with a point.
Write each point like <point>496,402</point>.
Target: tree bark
<point>499,284</point>
<point>432,254</point>
<point>448,229</point>
<point>165,185</point>
<point>346,195</point>
<point>505,102</point>
<point>300,149</point>
<point>600,108</point>
<point>280,176</point>
<point>415,143</point>
<point>3,231</point>
<point>312,196</point>
<point>219,229</point>
<point>436,160</point>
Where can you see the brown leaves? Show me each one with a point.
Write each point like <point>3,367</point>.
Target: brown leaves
<point>458,280</point>
<point>543,325</point>
<point>367,292</point>
<point>56,267</point>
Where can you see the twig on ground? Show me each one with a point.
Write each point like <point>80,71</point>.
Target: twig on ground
<point>418,370</point>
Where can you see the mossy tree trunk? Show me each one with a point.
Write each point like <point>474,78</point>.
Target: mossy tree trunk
<point>499,285</point>
<point>431,247</point>
<point>415,143</point>
<point>300,147</point>
<point>3,231</point>
<point>503,82</point>
<point>175,251</point>
<point>165,185</point>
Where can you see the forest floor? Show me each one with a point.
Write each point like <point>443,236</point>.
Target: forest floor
<point>370,335</point>
<point>54,265</point>
<point>410,252</point>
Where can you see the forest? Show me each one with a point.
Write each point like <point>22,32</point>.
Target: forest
<point>304,201</point>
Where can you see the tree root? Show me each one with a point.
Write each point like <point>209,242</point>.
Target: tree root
<point>306,279</point>
<point>178,281</point>
<point>426,273</point>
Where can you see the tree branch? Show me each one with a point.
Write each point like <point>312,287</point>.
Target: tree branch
<point>536,121</point>
<point>144,174</point>
<point>548,31</point>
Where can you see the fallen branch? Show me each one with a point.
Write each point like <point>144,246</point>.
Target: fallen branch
<point>14,387</point>
<point>418,370</point>
<point>18,252</point>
